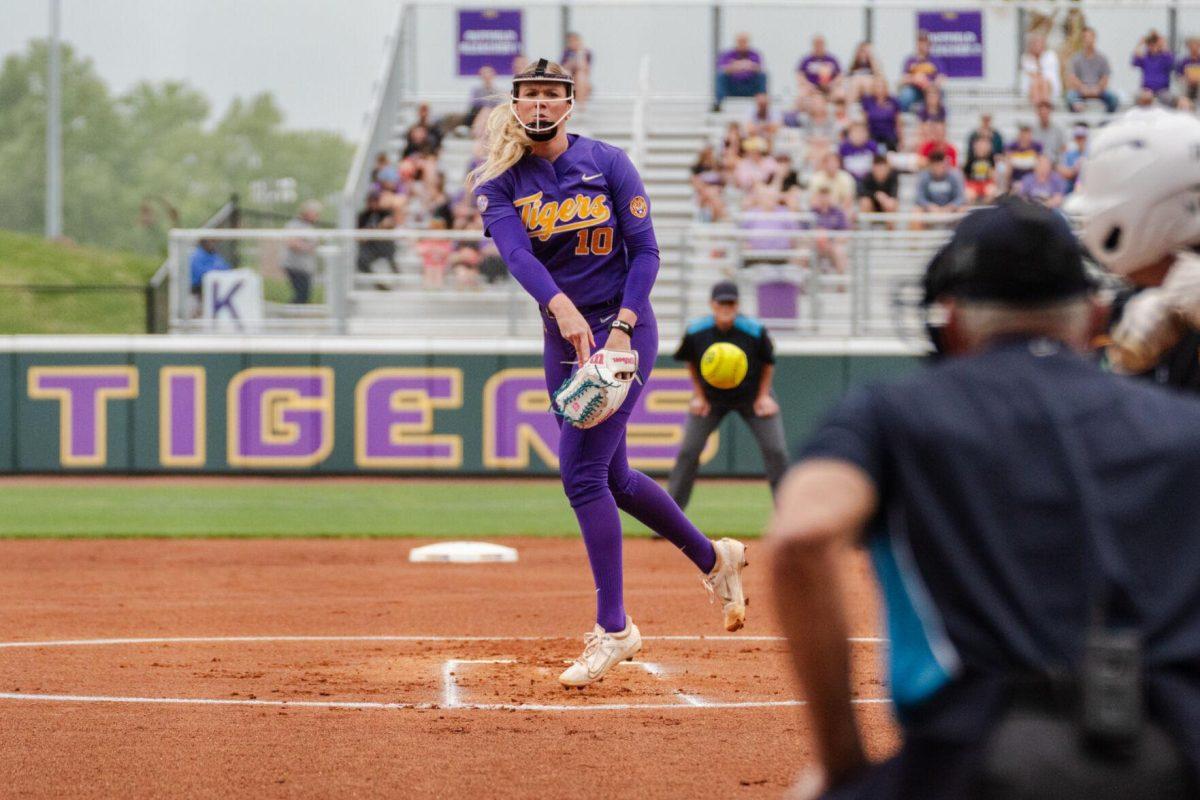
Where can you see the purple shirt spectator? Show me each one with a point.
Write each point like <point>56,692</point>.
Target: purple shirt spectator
<point>1156,70</point>
<point>1041,191</point>
<point>858,158</point>
<point>931,66</point>
<point>729,56</point>
<point>831,219</point>
<point>814,68</point>
<point>937,115</point>
<point>769,222</point>
<point>881,117</point>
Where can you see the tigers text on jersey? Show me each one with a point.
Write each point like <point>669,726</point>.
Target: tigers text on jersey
<point>578,210</point>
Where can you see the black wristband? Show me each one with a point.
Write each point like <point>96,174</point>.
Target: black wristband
<point>621,325</point>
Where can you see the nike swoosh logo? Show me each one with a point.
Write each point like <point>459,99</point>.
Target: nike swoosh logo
<point>593,177</point>
<point>606,319</point>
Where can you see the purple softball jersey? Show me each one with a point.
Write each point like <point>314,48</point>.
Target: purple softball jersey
<point>587,221</point>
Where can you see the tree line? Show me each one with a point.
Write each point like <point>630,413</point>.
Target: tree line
<point>138,163</point>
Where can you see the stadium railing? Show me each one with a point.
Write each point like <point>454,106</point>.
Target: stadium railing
<point>872,298</point>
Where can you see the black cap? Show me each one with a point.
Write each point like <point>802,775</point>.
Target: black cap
<point>1015,252</point>
<point>725,292</point>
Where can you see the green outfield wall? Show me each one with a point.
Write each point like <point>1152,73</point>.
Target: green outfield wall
<point>245,408</point>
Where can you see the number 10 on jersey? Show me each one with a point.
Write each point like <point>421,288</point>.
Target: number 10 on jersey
<point>594,242</point>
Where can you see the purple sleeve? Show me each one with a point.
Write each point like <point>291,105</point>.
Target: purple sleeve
<point>513,243</point>
<point>632,208</point>
<point>503,224</point>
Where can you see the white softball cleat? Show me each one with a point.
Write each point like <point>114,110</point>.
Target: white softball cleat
<point>601,652</point>
<point>725,582</point>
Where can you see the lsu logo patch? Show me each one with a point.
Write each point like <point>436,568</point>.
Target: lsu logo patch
<point>481,202</point>
<point>638,207</point>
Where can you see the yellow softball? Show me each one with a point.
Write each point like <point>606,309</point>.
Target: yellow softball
<point>724,365</point>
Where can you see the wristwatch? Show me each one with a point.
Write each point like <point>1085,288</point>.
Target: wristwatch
<point>621,325</point>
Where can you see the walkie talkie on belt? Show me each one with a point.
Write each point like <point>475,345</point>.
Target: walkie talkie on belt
<point>1111,692</point>
<point>1109,682</point>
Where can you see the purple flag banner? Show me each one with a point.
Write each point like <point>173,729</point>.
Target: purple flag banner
<point>956,39</point>
<point>488,38</point>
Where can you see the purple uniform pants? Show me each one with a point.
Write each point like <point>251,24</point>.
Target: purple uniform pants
<point>596,474</point>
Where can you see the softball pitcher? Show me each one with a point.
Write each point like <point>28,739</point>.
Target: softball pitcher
<point>571,219</point>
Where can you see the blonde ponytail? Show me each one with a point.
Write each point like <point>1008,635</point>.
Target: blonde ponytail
<point>506,144</point>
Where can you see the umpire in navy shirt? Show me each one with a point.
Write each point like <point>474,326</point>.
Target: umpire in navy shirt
<point>1033,524</point>
<point>752,398</point>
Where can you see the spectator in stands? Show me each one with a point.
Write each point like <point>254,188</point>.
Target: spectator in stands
<point>1088,75</point>
<point>762,120</point>
<point>1155,61</point>
<point>828,216</point>
<point>818,71</point>
<point>1040,78</point>
<point>932,110</point>
<point>519,64</point>
<point>435,203</point>
<point>300,260</point>
<point>940,187</point>
<point>841,115</point>
<point>708,182</point>
<point>985,131</point>
<point>731,147</point>
<point>787,182</point>
<point>577,60</point>
<point>435,257</point>
<point>861,74</point>
<point>843,189</point>
<point>883,115</point>
<point>1051,137</point>
<point>485,96</point>
<point>756,167</point>
<point>979,175</point>
<point>857,151</point>
<point>879,191</point>
<point>920,71</point>
<point>432,135</point>
<point>1043,185</point>
<point>1072,159</point>
<point>774,229</point>
<point>382,162</point>
<point>937,142</point>
<point>820,128</point>
<point>370,252</point>
<point>1188,69</point>
<point>1022,154</point>
<point>419,140</point>
<point>739,72</point>
<point>205,259</point>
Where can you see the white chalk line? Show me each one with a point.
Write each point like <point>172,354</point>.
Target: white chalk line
<point>451,693</point>
<point>266,639</point>
<point>206,701</point>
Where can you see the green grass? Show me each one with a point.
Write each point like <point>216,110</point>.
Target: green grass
<point>338,508</point>
<point>26,259</point>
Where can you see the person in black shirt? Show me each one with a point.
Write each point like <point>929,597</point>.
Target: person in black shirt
<point>878,190</point>
<point>375,217</point>
<point>751,398</point>
<point>1032,522</point>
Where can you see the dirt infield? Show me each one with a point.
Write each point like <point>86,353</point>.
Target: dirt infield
<point>337,669</point>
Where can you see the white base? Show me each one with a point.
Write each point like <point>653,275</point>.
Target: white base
<point>463,553</point>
